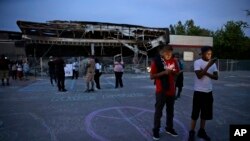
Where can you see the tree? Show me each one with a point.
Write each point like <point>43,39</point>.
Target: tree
<point>189,28</point>
<point>230,41</point>
<point>172,29</point>
<point>179,28</point>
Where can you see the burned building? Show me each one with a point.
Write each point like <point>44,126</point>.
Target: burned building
<point>11,44</point>
<point>73,38</point>
<point>83,38</point>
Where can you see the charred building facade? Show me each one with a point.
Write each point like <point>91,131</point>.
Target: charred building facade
<point>73,38</point>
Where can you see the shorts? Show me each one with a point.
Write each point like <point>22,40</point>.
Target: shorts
<point>4,74</point>
<point>202,105</point>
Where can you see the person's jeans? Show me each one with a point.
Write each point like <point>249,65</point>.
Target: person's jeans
<point>161,101</point>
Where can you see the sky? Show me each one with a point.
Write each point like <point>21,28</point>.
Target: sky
<point>210,14</point>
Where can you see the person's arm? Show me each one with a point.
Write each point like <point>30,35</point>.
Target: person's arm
<point>213,76</point>
<point>154,74</point>
<point>202,72</point>
<point>197,69</point>
<point>160,74</point>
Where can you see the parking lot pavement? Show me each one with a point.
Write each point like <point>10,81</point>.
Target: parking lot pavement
<point>35,111</point>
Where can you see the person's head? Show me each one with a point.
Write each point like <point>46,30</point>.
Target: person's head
<point>119,60</point>
<point>166,52</point>
<point>2,56</point>
<point>176,56</point>
<point>206,53</point>
<point>97,60</point>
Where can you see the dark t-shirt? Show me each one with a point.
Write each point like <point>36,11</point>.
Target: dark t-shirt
<point>51,66</point>
<point>4,64</point>
<point>59,66</point>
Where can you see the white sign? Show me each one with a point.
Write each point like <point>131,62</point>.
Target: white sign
<point>188,56</point>
<point>68,70</point>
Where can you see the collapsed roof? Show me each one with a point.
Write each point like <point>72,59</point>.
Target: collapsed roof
<point>84,33</point>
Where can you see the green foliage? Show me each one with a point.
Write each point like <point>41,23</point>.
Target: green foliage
<point>189,28</point>
<point>179,28</point>
<point>230,41</point>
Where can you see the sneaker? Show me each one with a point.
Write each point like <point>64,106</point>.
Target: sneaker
<point>91,90</point>
<point>171,132</point>
<point>191,135</point>
<point>202,134</point>
<point>156,135</point>
<point>87,91</point>
<point>64,90</point>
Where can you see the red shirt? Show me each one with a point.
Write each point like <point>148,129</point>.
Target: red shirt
<point>171,64</point>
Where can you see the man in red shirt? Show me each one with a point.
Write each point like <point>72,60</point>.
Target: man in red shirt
<point>163,71</point>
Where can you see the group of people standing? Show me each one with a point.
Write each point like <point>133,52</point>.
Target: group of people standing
<point>93,72</point>
<point>164,69</point>
<point>15,69</point>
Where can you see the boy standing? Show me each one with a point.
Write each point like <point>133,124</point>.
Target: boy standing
<point>205,71</point>
<point>163,71</point>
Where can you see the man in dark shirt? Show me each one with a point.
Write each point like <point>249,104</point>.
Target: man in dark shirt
<point>52,74</point>
<point>4,69</point>
<point>60,74</point>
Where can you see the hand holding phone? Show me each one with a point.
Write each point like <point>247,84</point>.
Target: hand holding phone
<point>210,63</point>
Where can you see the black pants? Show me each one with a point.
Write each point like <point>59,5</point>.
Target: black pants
<point>60,81</point>
<point>179,83</point>
<point>118,79</point>
<point>161,101</point>
<point>75,74</point>
<point>97,79</point>
<point>52,76</point>
<point>14,74</point>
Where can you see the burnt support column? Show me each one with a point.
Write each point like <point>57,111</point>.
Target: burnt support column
<point>92,49</point>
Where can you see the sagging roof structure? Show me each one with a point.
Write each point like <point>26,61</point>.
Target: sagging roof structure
<point>96,38</point>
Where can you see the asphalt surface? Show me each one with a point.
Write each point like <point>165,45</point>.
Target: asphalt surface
<point>35,111</point>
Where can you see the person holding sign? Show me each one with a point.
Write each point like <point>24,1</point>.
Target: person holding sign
<point>206,71</point>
